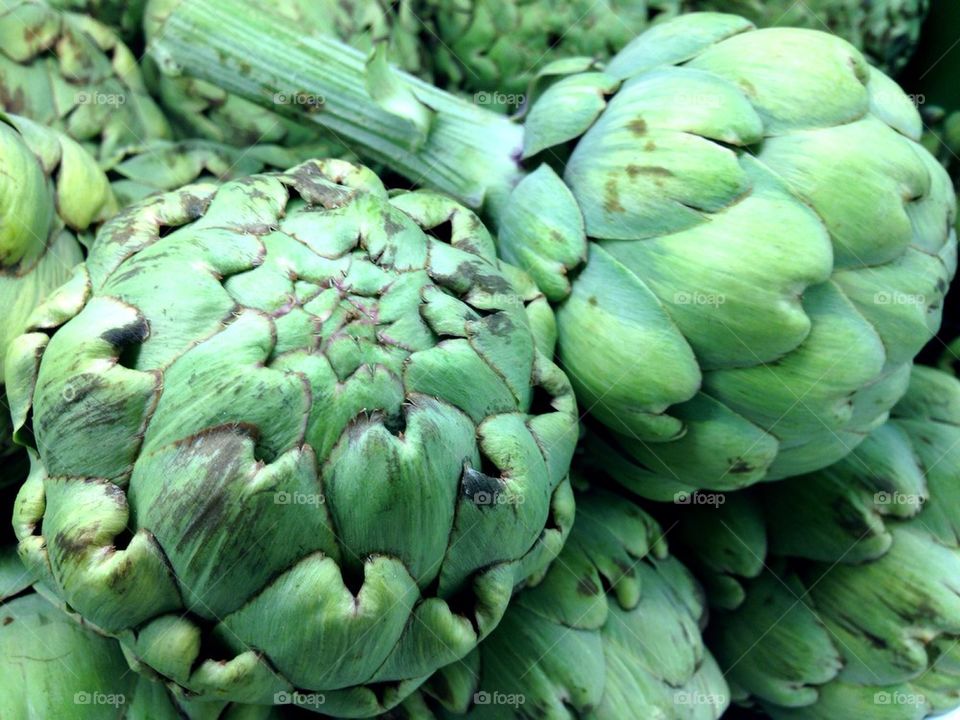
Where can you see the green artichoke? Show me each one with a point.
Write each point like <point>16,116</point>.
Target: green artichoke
<point>613,631</point>
<point>744,258</point>
<point>52,194</point>
<point>201,109</point>
<point>839,588</point>
<point>887,31</point>
<point>71,73</point>
<point>294,435</point>
<point>494,48</point>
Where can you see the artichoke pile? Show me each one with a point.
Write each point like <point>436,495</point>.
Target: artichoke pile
<point>501,359</point>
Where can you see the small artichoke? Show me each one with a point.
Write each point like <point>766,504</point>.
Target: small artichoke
<point>612,632</point>
<point>838,591</point>
<point>293,435</point>
<point>70,72</point>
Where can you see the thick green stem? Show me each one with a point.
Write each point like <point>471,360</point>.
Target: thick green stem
<point>444,142</point>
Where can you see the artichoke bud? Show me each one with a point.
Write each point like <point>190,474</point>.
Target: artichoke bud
<point>572,646</point>
<point>70,72</point>
<point>324,415</point>
<point>697,228</point>
<point>862,604</point>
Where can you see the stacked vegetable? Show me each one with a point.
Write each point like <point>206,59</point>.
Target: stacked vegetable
<point>604,409</point>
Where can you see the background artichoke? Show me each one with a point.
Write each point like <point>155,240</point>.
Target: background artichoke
<point>328,419</point>
<point>839,589</point>
<point>613,631</point>
<point>722,308</point>
<point>71,73</point>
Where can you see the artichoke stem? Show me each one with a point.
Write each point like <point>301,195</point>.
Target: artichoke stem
<point>432,137</point>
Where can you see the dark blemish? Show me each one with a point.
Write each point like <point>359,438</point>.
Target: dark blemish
<point>638,126</point>
<point>586,586</point>
<point>611,201</point>
<point>741,466</point>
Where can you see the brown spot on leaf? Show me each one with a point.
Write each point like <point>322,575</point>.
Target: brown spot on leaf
<point>611,197</point>
<point>638,126</point>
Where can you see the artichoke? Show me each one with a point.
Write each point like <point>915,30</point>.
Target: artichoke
<point>839,589</point>
<point>887,31</point>
<point>613,631</point>
<point>494,48</point>
<point>744,258</point>
<point>74,74</point>
<point>52,194</point>
<point>329,420</point>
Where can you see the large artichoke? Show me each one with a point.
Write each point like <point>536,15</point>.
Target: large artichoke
<point>51,196</point>
<point>293,435</point>
<point>612,632</point>
<point>746,246</point>
<point>71,73</point>
<point>840,589</point>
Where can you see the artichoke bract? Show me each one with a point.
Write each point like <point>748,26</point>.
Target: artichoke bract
<point>848,603</point>
<point>163,165</point>
<point>52,195</point>
<point>612,632</point>
<point>744,256</point>
<point>70,72</point>
<point>298,438</point>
